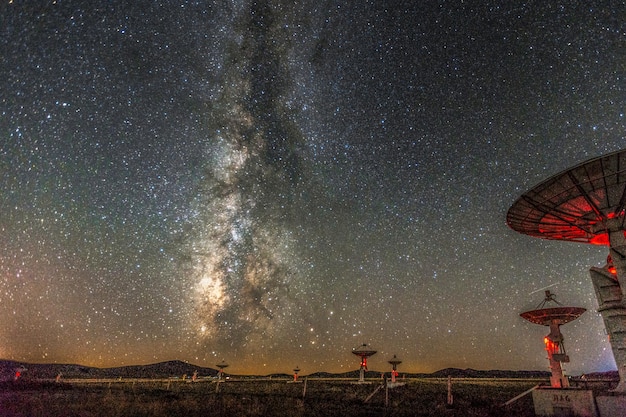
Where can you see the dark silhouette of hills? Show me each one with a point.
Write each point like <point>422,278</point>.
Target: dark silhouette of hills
<point>157,370</point>
<point>179,368</point>
<point>474,373</point>
<point>443,373</point>
<point>280,376</point>
<point>608,376</point>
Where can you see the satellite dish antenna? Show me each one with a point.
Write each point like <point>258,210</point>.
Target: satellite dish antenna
<point>554,317</point>
<point>364,352</point>
<point>394,364</point>
<point>220,373</point>
<point>587,204</point>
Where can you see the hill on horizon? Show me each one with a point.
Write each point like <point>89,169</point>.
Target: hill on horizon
<point>177,368</point>
<point>157,370</point>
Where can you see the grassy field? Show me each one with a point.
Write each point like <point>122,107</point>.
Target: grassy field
<point>171,398</point>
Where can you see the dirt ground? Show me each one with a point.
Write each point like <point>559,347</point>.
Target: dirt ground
<point>171,398</point>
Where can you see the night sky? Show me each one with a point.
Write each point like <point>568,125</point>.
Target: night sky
<point>275,183</point>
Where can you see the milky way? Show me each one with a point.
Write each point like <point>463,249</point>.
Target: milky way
<point>241,247</point>
<point>273,184</point>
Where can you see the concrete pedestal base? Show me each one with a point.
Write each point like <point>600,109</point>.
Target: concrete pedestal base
<point>611,404</point>
<point>564,402</point>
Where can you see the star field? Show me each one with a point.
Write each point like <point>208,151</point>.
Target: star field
<point>273,184</point>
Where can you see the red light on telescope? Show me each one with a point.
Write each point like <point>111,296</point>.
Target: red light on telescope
<point>609,265</point>
<point>551,347</point>
<point>602,239</point>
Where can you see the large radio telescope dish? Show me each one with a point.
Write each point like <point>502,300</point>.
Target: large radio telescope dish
<point>574,204</point>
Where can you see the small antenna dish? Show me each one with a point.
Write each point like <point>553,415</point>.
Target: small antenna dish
<point>221,365</point>
<point>394,364</point>
<point>554,317</point>
<point>364,352</point>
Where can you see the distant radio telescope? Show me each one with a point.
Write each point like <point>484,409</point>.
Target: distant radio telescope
<point>363,352</point>
<point>220,373</point>
<point>554,317</point>
<point>394,362</point>
<point>587,204</point>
